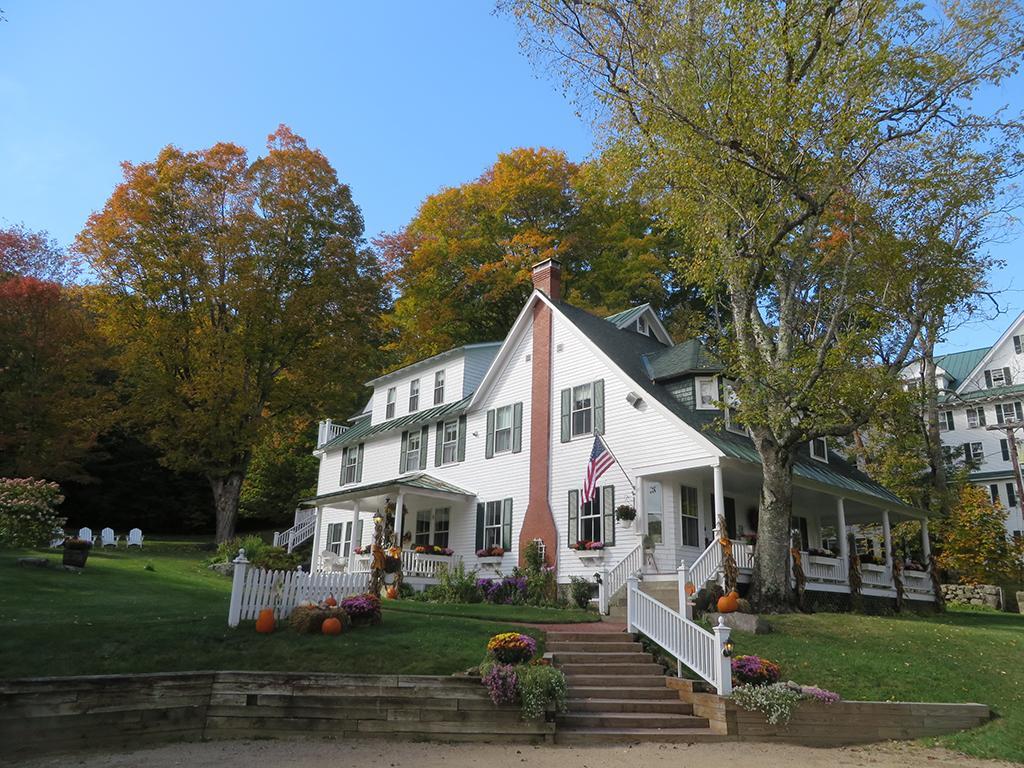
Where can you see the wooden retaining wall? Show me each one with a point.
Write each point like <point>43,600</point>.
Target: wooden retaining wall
<point>41,715</point>
<point>845,722</point>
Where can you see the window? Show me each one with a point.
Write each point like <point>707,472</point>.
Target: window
<point>1004,448</point>
<point>439,387</point>
<point>973,453</point>
<point>590,520</point>
<point>998,377</point>
<point>946,421</point>
<point>799,526</point>
<point>503,429</point>
<point>432,527</point>
<point>389,411</point>
<point>351,465</point>
<point>993,491</point>
<point>1011,495</point>
<point>339,538</point>
<point>829,538</point>
<point>976,417</point>
<point>947,455</point>
<point>653,511</point>
<point>450,442</point>
<point>689,516</point>
<point>1018,346</point>
<point>819,449</point>
<point>414,395</point>
<point>1009,412</point>
<point>493,521</point>
<point>642,327</point>
<point>442,523</point>
<point>707,392</point>
<point>412,451</point>
<point>582,410</point>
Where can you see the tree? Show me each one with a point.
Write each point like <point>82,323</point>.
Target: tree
<point>974,542</point>
<point>768,133</point>
<point>35,254</point>
<point>461,267</point>
<point>238,294</point>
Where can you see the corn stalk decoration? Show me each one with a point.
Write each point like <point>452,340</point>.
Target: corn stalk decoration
<point>730,572</point>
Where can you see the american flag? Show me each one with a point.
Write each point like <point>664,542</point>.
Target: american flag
<point>600,460</point>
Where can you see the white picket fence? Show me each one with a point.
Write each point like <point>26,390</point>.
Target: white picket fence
<point>253,589</point>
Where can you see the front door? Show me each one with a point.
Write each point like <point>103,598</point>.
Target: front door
<point>654,514</point>
<point>730,515</point>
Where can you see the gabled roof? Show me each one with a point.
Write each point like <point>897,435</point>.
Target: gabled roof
<point>983,360</point>
<point>959,364</point>
<point>363,428</point>
<point>626,320</point>
<point>417,481</point>
<point>689,357</point>
<point>432,360</point>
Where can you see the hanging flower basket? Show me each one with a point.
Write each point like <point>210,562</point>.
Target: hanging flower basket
<point>625,513</point>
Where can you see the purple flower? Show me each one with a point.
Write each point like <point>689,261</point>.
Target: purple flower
<point>502,683</point>
<point>819,694</point>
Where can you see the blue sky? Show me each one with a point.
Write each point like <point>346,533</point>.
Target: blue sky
<point>404,98</point>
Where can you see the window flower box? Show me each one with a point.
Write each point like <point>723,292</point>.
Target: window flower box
<point>590,551</point>
<point>490,556</point>
<point>830,561</point>
<point>872,568</point>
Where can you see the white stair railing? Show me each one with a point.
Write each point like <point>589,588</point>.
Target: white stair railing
<point>693,646</point>
<point>615,579</point>
<point>708,565</point>
<point>297,534</point>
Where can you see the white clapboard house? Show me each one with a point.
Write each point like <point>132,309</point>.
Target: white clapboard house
<point>981,395</point>
<point>486,446</point>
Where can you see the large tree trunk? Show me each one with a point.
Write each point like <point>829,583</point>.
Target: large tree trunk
<point>226,493</point>
<point>771,590</point>
<point>939,496</point>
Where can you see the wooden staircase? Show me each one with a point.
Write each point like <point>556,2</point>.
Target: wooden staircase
<point>617,693</point>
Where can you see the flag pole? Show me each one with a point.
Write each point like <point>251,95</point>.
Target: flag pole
<point>616,460</point>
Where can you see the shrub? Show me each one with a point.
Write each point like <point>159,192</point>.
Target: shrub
<point>541,686</point>
<point>511,648</point>
<point>275,559</point>
<point>510,590</point>
<point>776,701</point>
<point>753,670</point>
<point>502,683</point>
<point>28,516</point>
<point>362,609</point>
<point>456,585</point>
<point>532,557</point>
<point>253,545</point>
<point>581,591</point>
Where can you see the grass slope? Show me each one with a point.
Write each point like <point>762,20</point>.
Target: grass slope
<point>491,612</point>
<point>966,656</point>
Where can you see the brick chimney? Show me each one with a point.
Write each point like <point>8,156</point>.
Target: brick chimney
<point>547,277</point>
<point>539,522</point>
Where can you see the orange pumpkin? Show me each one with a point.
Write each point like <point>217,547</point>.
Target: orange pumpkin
<point>690,589</point>
<point>331,626</point>
<point>729,603</point>
<point>392,593</point>
<point>330,602</point>
<point>265,622</point>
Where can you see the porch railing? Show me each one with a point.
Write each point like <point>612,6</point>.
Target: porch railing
<point>615,579</point>
<point>298,533</point>
<point>327,430</point>
<point>708,565</point>
<point>693,646</point>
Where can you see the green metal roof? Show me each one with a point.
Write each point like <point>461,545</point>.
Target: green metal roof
<point>996,474</point>
<point>959,364</point>
<point>689,357</point>
<point>627,315</point>
<point>363,428</point>
<point>994,393</point>
<point>417,480</point>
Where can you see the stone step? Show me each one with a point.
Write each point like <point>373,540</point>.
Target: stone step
<point>619,720</point>
<point>651,668</point>
<point>585,647</point>
<point>648,693</point>
<point>666,705</point>
<point>649,682</point>
<point>567,735</point>
<point>588,637</point>
<point>563,658</point>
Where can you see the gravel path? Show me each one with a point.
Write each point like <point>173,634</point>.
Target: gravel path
<point>309,753</point>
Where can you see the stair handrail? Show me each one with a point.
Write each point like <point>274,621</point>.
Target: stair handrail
<point>613,580</point>
<point>708,564</point>
<point>295,535</point>
<point>706,653</point>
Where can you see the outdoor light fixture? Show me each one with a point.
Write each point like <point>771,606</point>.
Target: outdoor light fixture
<point>727,648</point>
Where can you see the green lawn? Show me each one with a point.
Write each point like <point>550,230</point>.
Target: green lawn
<point>491,612</point>
<point>117,616</point>
<point>962,655</point>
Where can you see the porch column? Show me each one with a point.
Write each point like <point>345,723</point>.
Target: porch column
<point>353,543</point>
<point>844,546</point>
<point>314,564</point>
<point>926,545</point>
<point>719,499</point>
<point>399,516</point>
<point>887,533</point>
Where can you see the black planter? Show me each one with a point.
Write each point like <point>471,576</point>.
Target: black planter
<point>76,557</point>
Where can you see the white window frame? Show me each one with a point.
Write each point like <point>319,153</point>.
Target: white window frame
<point>502,434</point>
<point>975,452</point>
<point>946,423</point>
<point>1001,382</point>
<point>389,408</point>
<point>585,412</point>
<point>412,455</point>
<point>976,417</point>
<point>1016,411</point>
<point>642,326</point>
<point>339,545</point>
<point>414,395</point>
<point>590,512</point>
<point>450,442</point>
<point>711,382</point>
<point>438,523</point>
<point>351,464</point>
<point>493,530</point>
<point>439,377</point>
<point>821,456</point>
<point>689,515</point>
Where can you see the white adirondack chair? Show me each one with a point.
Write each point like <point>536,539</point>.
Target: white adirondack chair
<point>86,534</point>
<point>329,559</point>
<point>57,538</point>
<point>108,538</point>
<point>134,538</point>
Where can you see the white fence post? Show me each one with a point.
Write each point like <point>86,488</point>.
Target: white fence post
<point>237,587</point>
<point>684,599</point>
<point>602,592</point>
<point>725,669</point>
<point>632,584</point>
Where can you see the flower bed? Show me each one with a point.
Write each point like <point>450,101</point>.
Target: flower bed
<point>753,670</point>
<point>364,610</point>
<point>510,590</point>
<point>512,675</point>
<point>758,689</point>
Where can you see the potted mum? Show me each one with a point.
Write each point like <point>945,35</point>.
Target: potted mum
<point>76,552</point>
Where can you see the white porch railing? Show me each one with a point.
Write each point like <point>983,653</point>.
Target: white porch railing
<point>707,566</point>
<point>918,582</point>
<point>299,533</point>
<point>615,579</point>
<point>743,554</point>
<point>327,430</point>
<point>691,645</point>
<point>253,589</point>
<point>826,569</point>
<point>413,564</point>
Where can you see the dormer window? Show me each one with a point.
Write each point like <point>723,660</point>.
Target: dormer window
<point>998,377</point>
<point>707,392</point>
<point>389,410</point>
<point>819,449</point>
<point>642,326</point>
<point>439,387</point>
<point>414,395</point>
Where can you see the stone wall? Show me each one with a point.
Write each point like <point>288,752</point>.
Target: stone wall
<point>40,715</point>
<point>974,594</point>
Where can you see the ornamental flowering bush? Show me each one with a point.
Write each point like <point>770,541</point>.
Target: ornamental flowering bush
<point>510,590</point>
<point>778,701</point>
<point>362,609</point>
<point>753,670</point>
<point>502,684</point>
<point>28,517</point>
<point>490,552</point>
<point>511,648</point>
<point>819,694</point>
<point>434,550</point>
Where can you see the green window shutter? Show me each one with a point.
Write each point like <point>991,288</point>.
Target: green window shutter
<point>566,414</point>
<point>438,443</point>
<point>1007,379</point>
<point>479,525</point>
<point>461,450</point>
<point>424,434</point>
<point>359,463</point>
<point>574,517</point>
<point>506,525</point>
<point>405,448</point>
<point>489,447</point>
<point>599,407</point>
<point>988,379</point>
<point>608,515</point>
<point>344,462</point>
<point>517,428</point>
